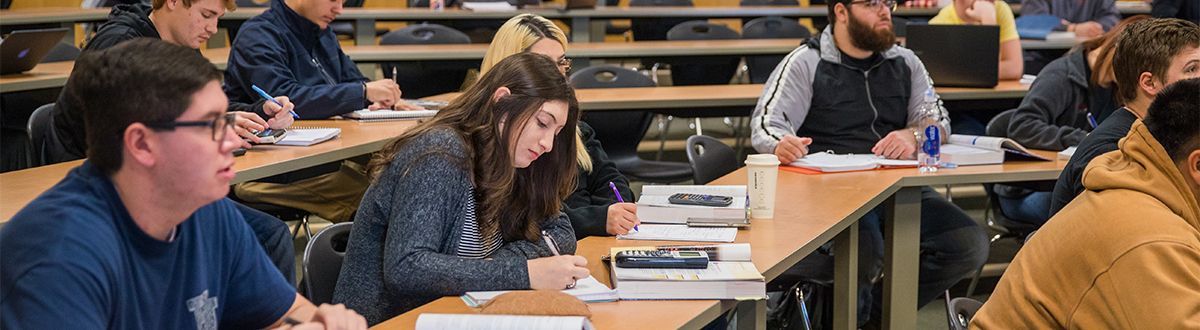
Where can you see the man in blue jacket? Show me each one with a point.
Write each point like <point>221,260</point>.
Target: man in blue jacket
<point>290,50</point>
<point>852,90</point>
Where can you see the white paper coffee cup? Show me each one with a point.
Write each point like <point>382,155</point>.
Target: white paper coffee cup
<point>762,173</point>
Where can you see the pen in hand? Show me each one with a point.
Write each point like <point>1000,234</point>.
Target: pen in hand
<point>620,199</point>
<point>264,94</point>
<point>554,249</point>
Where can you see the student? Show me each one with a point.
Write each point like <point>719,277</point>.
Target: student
<point>852,90</point>
<point>186,23</point>
<point>183,22</point>
<point>1068,96</point>
<point>469,200</point>
<point>140,236</point>
<point>290,50</point>
<point>1126,252</point>
<point>1151,54</point>
<point>989,12</point>
<point>1088,19</point>
<point>592,208</point>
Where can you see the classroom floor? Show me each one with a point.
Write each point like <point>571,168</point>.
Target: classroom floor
<point>932,316</point>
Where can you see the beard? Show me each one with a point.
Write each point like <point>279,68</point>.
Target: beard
<point>866,37</point>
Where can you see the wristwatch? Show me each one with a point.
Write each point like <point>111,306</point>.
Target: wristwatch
<point>365,99</point>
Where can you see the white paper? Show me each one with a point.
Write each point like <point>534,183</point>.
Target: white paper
<point>588,290</point>
<point>489,6</point>
<point>365,114</point>
<point>491,321</point>
<point>308,136</point>
<point>681,233</point>
<point>716,271</point>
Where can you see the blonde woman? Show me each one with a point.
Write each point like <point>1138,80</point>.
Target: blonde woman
<point>593,208</point>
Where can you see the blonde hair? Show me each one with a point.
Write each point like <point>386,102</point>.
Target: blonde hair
<point>517,35</point>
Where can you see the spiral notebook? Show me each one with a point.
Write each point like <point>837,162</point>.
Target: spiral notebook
<point>381,115</point>
<point>307,136</point>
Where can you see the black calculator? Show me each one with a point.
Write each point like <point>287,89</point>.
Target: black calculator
<point>700,199</point>
<point>270,136</point>
<point>662,259</point>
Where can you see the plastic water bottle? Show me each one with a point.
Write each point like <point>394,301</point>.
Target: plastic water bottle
<point>930,138</point>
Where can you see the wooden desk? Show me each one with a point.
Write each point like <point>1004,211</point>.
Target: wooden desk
<point>736,96</point>
<point>45,75</point>
<point>18,188</point>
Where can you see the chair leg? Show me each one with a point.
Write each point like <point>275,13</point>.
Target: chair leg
<point>296,230</point>
<point>975,281</point>
<point>307,230</point>
<point>663,123</point>
<point>699,131</point>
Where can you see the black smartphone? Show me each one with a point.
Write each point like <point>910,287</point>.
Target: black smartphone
<point>270,136</point>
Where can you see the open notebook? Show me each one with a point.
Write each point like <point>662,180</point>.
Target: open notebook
<point>829,162</point>
<point>494,321</point>
<point>962,150</point>
<point>307,136</point>
<point>381,115</point>
<point>588,290</point>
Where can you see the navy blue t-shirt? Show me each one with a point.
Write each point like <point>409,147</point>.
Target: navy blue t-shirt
<point>74,259</point>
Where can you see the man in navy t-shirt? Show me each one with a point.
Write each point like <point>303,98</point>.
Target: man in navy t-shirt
<point>140,236</point>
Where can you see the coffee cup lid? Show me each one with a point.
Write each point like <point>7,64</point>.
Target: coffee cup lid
<point>762,159</point>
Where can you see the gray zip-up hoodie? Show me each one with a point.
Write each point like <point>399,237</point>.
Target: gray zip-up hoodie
<point>842,108</point>
<point>402,250</point>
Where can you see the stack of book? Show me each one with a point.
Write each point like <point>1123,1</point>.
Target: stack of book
<point>730,275</point>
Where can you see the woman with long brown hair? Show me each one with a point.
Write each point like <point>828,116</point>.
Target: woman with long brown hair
<point>470,200</point>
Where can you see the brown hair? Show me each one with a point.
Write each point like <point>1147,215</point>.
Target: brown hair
<point>1148,46</point>
<point>230,5</point>
<point>1105,45</point>
<point>512,201</point>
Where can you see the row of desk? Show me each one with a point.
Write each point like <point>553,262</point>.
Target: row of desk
<point>811,210</point>
<point>586,24</point>
<point>51,75</point>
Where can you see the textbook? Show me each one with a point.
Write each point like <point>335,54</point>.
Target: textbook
<point>429,321</point>
<point>654,207</point>
<point>962,150</point>
<point>381,115</point>
<point>588,290</point>
<point>721,280</point>
<point>307,136</point>
<point>830,162</point>
<point>1040,27</point>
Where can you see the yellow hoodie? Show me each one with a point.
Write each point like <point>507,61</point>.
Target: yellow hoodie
<point>1125,254</point>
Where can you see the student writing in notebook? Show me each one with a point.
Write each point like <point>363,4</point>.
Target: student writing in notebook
<point>593,208</point>
<point>460,202</point>
<point>1151,54</point>
<point>1068,95</point>
<point>141,235</point>
<point>852,90</point>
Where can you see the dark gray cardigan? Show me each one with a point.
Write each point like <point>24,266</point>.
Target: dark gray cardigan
<point>401,252</point>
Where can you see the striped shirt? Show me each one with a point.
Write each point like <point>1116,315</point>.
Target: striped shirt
<point>472,245</point>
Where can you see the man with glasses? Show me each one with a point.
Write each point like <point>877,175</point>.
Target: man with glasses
<point>141,236</point>
<point>852,90</point>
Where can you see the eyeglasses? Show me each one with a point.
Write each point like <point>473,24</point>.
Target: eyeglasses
<point>564,64</point>
<point>876,4</point>
<point>219,126</point>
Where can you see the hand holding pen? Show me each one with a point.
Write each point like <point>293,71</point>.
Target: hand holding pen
<point>622,216</point>
<point>557,272</point>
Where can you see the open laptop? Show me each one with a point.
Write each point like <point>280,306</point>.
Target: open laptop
<point>23,49</point>
<point>957,55</point>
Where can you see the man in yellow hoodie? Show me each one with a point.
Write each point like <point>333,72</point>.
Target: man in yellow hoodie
<point>1125,254</point>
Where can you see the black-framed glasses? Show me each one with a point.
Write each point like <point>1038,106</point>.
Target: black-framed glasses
<point>876,4</point>
<point>219,126</point>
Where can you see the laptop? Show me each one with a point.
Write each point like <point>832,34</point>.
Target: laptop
<point>23,49</point>
<point>957,55</point>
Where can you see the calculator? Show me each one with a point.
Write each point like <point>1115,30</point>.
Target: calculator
<point>270,136</point>
<point>662,259</point>
<point>700,199</point>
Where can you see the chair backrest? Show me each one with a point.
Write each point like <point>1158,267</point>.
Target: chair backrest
<point>998,126</point>
<point>252,3</point>
<point>323,261</point>
<point>655,28</point>
<point>609,76</point>
<point>41,135</point>
<point>900,26</point>
<point>701,30</point>
<point>702,70</point>
<point>960,311</point>
<point>710,158</point>
<point>425,78</point>
<point>748,3</point>
<point>774,28</point>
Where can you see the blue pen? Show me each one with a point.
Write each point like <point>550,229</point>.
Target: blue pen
<point>1092,120</point>
<point>619,198</point>
<point>272,99</point>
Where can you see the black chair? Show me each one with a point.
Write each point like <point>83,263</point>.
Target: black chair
<point>621,131</point>
<point>959,311</point>
<point>710,158</point>
<point>760,66</point>
<point>41,136</point>
<point>645,29</point>
<point>900,26</point>
<point>702,70</point>
<point>425,78</point>
<point>323,262</point>
<point>765,3</point>
<point>346,29</point>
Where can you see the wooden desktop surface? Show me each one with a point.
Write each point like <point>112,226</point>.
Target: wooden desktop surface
<point>18,188</point>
